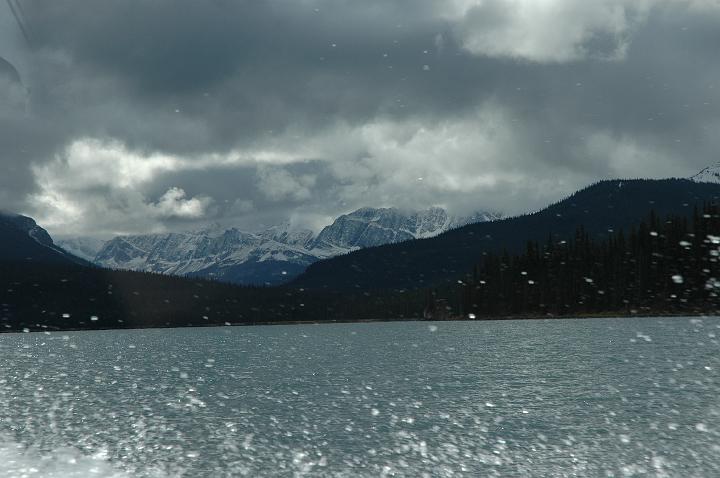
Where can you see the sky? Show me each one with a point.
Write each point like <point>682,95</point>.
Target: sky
<point>125,117</point>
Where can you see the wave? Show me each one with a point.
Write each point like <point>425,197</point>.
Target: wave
<point>20,461</point>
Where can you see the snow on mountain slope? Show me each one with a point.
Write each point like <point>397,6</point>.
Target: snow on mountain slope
<point>83,247</point>
<point>275,254</point>
<point>368,227</point>
<point>208,252</point>
<point>711,174</point>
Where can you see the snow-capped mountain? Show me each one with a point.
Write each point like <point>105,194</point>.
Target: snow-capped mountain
<point>232,255</point>
<point>369,227</point>
<point>272,255</point>
<point>711,174</point>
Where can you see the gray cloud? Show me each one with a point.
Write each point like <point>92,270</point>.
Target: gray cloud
<point>259,111</point>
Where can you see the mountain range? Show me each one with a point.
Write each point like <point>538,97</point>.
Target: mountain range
<point>42,287</point>
<point>270,256</point>
<point>369,247</point>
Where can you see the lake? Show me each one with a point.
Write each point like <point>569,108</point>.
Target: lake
<point>592,397</point>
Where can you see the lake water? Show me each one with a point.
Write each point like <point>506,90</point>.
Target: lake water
<point>599,397</point>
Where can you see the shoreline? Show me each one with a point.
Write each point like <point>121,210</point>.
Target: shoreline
<point>367,321</point>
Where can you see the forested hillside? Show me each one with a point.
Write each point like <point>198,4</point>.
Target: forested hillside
<point>601,209</point>
<point>664,265</point>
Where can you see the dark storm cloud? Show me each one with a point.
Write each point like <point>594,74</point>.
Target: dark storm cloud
<point>407,103</point>
<point>242,68</point>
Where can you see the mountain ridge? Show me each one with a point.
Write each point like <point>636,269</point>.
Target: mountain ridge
<point>272,255</point>
<point>22,239</point>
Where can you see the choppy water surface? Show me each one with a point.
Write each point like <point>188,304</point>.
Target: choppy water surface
<point>601,397</point>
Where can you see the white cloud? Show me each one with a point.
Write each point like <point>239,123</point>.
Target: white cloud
<point>174,204</point>
<point>628,157</point>
<point>67,212</point>
<point>547,30</point>
<point>96,187</point>
<point>91,162</point>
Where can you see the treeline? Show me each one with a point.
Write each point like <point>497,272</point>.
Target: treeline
<point>40,296</point>
<point>661,266</point>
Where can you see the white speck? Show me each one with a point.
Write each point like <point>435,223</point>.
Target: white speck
<point>678,279</point>
<point>426,67</point>
<point>701,427</point>
<point>432,328</point>
<point>653,233</point>
<point>489,405</point>
<point>471,316</point>
<point>66,316</point>
<point>685,244</point>
<point>624,439</point>
<point>375,412</point>
<point>94,318</point>
<point>645,337</point>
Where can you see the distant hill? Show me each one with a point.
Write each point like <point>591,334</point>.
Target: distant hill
<point>601,208</point>
<point>271,256</point>
<point>21,239</point>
